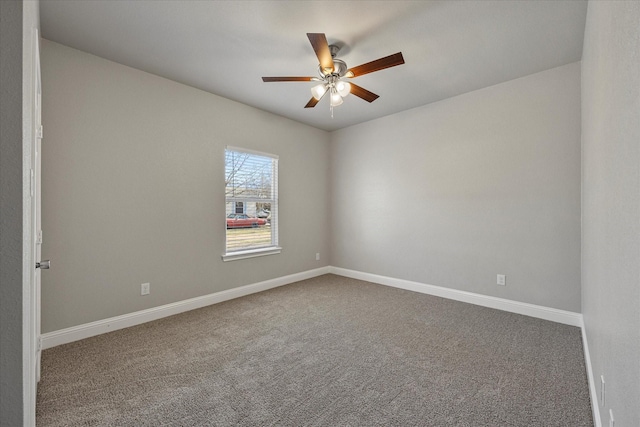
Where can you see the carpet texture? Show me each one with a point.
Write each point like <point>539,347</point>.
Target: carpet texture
<point>328,351</point>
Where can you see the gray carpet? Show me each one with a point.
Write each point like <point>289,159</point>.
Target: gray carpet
<point>328,351</point>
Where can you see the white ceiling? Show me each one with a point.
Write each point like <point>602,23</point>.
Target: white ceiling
<point>225,47</point>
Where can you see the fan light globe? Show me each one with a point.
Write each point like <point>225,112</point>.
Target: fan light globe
<point>336,99</point>
<point>343,88</point>
<point>318,91</point>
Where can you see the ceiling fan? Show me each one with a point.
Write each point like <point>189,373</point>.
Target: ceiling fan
<point>332,71</point>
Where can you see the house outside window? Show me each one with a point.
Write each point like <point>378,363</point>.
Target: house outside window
<point>251,199</point>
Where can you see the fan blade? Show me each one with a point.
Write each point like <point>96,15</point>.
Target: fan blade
<point>312,103</point>
<point>287,79</point>
<point>377,65</point>
<point>321,47</point>
<point>361,92</point>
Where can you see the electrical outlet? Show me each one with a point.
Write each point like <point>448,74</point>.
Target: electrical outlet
<point>502,280</point>
<point>145,289</point>
<point>317,256</point>
<point>602,390</point>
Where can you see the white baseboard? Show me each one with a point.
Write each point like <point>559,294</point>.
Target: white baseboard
<point>595,403</point>
<point>546,313</point>
<point>75,333</point>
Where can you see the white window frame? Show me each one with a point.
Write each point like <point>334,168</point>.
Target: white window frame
<point>274,248</point>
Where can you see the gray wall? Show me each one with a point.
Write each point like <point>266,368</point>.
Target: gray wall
<point>133,189</point>
<point>11,217</point>
<point>611,203</point>
<point>455,192</point>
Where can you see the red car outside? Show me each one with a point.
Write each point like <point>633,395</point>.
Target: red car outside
<point>244,220</point>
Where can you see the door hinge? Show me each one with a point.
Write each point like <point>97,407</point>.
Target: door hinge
<point>39,344</point>
<point>39,132</point>
<point>39,238</point>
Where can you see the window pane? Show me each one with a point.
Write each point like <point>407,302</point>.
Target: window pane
<point>251,200</point>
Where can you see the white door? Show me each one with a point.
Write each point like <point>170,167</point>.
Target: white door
<point>36,163</point>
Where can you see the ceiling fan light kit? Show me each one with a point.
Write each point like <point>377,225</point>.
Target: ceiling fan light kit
<point>331,82</point>
<point>333,70</point>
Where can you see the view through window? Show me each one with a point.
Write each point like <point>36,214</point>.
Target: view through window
<point>251,192</point>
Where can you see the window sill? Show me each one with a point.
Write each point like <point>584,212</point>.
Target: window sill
<point>252,253</point>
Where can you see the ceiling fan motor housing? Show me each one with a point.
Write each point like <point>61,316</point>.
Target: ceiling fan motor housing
<point>339,69</point>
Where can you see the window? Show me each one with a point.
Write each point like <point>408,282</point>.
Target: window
<point>251,199</point>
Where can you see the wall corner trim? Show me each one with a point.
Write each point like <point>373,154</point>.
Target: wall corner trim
<point>541,312</point>
<point>76,333</point>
